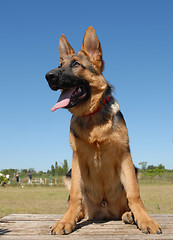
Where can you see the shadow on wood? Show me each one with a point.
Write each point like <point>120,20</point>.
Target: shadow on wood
<point>3,231</point>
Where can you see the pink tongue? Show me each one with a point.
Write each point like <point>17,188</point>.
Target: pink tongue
<point>63,100</point>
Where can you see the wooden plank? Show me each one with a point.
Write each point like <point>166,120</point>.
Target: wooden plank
<point>36,226</point>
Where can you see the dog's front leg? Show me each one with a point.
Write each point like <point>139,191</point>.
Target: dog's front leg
<point>68,222</point>
<point>128,178</point>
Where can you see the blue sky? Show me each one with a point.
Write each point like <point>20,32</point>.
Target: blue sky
<point>137,44</point>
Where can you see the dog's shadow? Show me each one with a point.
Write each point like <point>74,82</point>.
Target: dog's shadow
<point>4,231</point>
<point>84,223</point>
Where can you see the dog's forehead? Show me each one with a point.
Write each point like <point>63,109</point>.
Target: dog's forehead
<point>76,57</point>
<point>80,58</point>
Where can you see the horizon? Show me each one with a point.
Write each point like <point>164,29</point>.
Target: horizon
<point>46,171</point>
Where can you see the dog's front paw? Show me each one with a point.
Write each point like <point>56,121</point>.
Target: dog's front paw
<point>60,228</point>
<point>149,226</point>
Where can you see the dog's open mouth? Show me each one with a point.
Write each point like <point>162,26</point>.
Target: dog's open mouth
<point>70,97</point>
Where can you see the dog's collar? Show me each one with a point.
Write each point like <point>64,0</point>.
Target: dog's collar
<point>104,102</point>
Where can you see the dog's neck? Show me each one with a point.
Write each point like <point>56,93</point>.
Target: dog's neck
<point>103,102</point>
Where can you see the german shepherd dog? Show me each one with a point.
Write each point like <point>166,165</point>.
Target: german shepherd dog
<point>104,184</point>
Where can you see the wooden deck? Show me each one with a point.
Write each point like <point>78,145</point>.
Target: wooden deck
<point>36,226</point>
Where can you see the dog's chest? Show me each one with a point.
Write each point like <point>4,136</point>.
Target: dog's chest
<point>99,175</point>
<point>97,157</point>
<point>92,134</point>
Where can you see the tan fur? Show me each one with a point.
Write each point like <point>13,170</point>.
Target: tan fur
<point>104,184</point>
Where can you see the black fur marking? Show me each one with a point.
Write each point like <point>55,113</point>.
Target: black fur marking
<point>117,118</point>
<point>107,94</point>
<point>136,222</point>
<point>136,171</point>
<point>68,175</point>
<point>128,149</point>
<point>91,69</point>
<point>73,132</point>
<point>89,64</point>
<point>108,90</point>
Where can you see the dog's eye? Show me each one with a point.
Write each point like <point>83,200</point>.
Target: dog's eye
<point>76,64</point>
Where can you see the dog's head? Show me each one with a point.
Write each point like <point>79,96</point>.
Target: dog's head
<point>79,76</point>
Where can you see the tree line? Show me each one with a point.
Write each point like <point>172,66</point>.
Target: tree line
<point>152,170</point>
<point>56,170</point>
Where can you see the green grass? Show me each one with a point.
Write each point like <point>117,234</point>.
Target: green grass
<point>53,200</point>
<point>158,199</point>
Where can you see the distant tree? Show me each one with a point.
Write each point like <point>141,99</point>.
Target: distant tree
<point>56,165</point>
<point>40,173</point>
<point>56,168</point>
<point>53,170</point>
<point>11,171</point>
<point>5,171</point>
<point>24,171</point>
<point>60,171</point>
<point>3,180</point>
<point>160,166</point>
<point>65,167</point>
<point>143,165</point>
<point>31,170</point>
<point>151,167</point>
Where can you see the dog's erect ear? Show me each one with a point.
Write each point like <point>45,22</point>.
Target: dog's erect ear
<point>92,48</point>
<point>64,47</point>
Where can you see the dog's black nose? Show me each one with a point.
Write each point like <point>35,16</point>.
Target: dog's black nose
<point>51,75</point>
<point>52,78</point>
